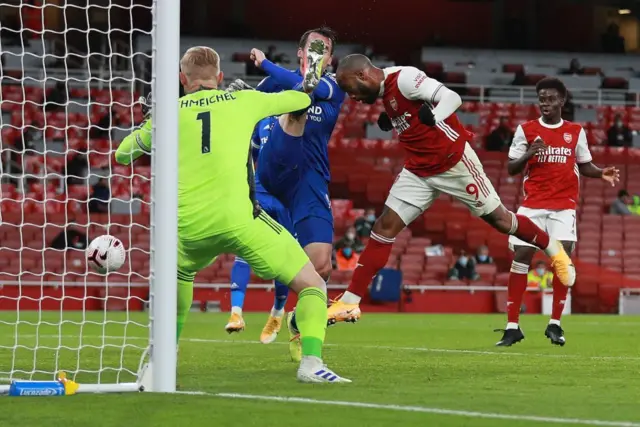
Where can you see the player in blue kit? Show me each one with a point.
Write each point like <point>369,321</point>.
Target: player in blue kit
<point>297,170</point>
<point>294,164</point>
<point>241,272</point>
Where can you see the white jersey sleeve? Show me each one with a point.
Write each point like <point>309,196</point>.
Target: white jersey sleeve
<point>583,155</point>
<point>415,85</point>
<point>519,145</point>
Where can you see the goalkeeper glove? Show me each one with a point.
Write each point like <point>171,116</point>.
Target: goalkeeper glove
<point>237,85</point>
<point>384,122</point>
<point>145,103</point>
<point>426,116</point>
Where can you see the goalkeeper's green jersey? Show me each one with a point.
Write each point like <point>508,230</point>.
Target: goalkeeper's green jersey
<point>215,130</point>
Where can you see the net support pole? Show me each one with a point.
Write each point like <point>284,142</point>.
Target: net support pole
<point>166,52</point>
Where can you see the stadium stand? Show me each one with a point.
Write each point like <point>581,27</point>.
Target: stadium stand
<point>363,169</point>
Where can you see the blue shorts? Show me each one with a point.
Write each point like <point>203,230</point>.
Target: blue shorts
<point>275,209</point>
<point>280,162</point>
<point>310,209</point>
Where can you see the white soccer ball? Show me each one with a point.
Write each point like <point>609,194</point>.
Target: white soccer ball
<point>105,254</point>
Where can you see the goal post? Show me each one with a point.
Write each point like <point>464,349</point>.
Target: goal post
<point>70,80</point>
<point>166,51</point>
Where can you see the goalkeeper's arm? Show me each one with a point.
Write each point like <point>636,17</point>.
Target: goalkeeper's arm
<point>135,144</point>
<point>274,104</point>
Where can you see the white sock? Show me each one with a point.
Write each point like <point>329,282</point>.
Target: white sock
<point>554,322</point>
<point>350,298</point>
<point>310,361</point>
<point>236,310</point>
<point>277,313</point>
<point>552,249</point>
<point>512,325</point>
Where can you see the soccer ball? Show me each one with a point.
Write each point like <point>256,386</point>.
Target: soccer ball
<point>105,254</point>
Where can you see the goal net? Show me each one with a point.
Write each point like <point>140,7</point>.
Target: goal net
<point>71,76</point>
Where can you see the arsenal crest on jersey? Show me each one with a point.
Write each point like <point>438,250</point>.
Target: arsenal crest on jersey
<point>394,104</point>
<point>567,138</point>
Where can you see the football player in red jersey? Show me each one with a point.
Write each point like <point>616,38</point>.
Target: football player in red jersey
<point>439,160</point>
<point>553,153</point>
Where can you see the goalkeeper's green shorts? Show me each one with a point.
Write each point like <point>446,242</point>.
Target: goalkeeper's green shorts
<point>268,248</point>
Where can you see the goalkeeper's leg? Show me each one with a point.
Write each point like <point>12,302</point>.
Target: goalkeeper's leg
<point>185,298</point>
<point>272,252</point>
<point>193,256</point>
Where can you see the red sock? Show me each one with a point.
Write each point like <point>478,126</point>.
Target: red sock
<point>559,297</point>
<point>516,289</point>
<point>525,230</point>
<point>373,259</point>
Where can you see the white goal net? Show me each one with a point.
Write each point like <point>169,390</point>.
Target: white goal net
<point>71,76</point>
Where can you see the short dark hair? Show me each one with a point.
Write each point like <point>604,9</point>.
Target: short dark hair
<point>552,83</point>
<point>323,31</point>
<point>623,193</point>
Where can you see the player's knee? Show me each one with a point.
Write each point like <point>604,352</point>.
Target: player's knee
<point>293,125</point>
<point>523,256</point>
<point>323,267</point>
<point>389,224</point>
<point>308,277</point>
<point>501,219</point>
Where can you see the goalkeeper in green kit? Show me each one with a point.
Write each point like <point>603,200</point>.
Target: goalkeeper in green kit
<point>216,210</point>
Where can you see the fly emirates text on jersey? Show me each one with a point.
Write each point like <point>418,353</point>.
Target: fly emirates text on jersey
<point>555,155</point>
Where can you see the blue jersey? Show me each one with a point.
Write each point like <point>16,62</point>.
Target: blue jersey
<point>321,119</point>
<point>258,139</point>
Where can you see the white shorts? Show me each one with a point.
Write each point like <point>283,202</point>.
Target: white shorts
<point>411,195</point>
<point>561,225</point>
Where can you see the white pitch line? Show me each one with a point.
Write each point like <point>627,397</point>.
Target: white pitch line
<point>366,346</point>
<point>405,408</point>
<point>420,409</point>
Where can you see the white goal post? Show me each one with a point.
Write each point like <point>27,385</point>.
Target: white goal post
<point>70,78</point>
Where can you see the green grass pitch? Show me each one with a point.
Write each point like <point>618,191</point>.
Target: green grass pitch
<point>407,370</point>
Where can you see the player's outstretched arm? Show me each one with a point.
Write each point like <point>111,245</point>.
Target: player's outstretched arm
<point>135,144</point>
<point>610,174</point>
<point>274,104</point>
<point>586,166</point>
<point>287,79</point>
<point>414,84</point>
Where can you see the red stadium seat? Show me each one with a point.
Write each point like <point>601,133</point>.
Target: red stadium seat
<point>487,272</point>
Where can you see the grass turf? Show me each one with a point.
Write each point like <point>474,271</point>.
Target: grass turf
<point>427,361</point>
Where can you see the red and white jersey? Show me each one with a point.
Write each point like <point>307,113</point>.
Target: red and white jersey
<point>431,150</point>
<point>552,179</point>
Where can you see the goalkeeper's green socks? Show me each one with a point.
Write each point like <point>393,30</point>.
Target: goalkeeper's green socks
<point>311,319</point>
<point>185,298</point>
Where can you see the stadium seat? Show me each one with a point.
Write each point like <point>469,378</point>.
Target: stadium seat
<point>487,272</point>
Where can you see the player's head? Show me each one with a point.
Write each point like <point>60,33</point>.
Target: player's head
<point>552,94</point>
<point>200,67</point>
<point>327,35</point>
<point>358,77</point>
